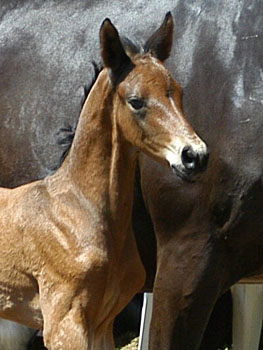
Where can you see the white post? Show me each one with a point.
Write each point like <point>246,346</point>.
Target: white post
<point>247,316</point>
<point>145,321</point>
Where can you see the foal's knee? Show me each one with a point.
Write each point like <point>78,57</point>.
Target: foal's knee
<point>69,334</point>
<point>66,331</point>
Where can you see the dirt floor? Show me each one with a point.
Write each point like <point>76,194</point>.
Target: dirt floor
<point>127,341</point>
<point>133,345</point>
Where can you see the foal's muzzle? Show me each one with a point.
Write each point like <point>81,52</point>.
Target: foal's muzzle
<point>194,162</point>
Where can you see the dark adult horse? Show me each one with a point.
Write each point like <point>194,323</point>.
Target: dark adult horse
<point>208,231</point>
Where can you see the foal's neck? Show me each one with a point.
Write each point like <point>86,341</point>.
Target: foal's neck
<point>101,162</point>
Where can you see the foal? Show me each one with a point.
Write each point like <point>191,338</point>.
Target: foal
<point>68,258</point>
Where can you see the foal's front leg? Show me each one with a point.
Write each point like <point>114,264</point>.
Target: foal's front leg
<point>67,325</point>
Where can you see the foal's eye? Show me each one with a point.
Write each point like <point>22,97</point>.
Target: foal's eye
<point>136,103</point>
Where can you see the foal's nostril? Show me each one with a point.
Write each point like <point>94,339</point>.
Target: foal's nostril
<point>189,158</point>
<point>193,161</point>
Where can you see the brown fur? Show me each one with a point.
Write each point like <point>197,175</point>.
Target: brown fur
<point>69,261</point>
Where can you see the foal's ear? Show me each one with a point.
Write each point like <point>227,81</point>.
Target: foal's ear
<point>160,42</point>
<point>112,52</point>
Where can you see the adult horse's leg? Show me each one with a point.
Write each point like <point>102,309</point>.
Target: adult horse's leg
<point>214,336</point>
<point>179,310</point>
<point>185,289</point>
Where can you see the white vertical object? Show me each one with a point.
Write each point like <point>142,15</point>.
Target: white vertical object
<point>247,316</point>
<point>145,321</point>
<point>14,336</point>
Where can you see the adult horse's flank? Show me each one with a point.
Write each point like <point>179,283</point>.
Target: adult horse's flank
<point>68,259</point>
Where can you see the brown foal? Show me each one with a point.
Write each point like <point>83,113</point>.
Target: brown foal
<point>68,257</point>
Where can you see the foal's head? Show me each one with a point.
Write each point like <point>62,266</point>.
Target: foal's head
<point>148,101</point>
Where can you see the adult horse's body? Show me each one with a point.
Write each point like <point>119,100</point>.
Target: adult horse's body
<point>69,261</point>
<point>209,232</point>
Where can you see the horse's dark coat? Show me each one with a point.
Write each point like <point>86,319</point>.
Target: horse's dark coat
<point>209,232</point>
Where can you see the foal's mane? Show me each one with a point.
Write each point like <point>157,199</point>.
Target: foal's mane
<point>67,133</point>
